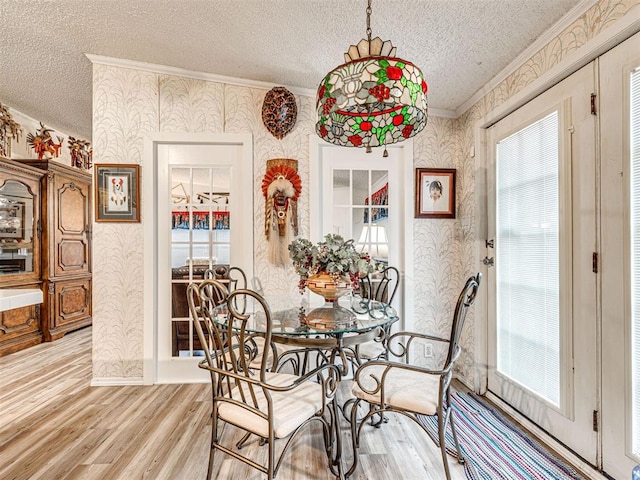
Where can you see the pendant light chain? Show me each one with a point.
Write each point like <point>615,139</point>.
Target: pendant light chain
<point>369,22</point>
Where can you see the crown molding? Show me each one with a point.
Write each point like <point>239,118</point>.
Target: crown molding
<point>546,38</point>
<point>181,72</point>
<point>441,112</point>
<point>210,77</point>
<point>607,39</point>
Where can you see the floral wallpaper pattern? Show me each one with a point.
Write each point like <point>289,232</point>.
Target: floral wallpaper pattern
<point>190,106</point>
<point>125,108</point>
<point>130,103</point>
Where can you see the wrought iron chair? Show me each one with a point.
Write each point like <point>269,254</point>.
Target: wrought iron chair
<point>396,387</point>
<point>233,276</point>
<point>269,405</point>
<point>380,286</point>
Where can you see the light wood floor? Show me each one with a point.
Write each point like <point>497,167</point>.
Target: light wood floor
<point>54,426</point>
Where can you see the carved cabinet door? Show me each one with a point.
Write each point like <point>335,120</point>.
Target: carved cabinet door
<point>70,227</point>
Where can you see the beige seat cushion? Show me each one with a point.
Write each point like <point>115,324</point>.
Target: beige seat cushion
<point>370,350</point>
<point>404,389</point>
<point>290,409</point>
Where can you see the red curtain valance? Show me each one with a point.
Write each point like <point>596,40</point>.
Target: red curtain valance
<point>201,220</point>
<point>381,197</point>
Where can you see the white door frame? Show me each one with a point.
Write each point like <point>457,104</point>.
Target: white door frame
<point>149,216</point>
<point>616,253</point>
<point>316,148</point>
<point>578,318</point>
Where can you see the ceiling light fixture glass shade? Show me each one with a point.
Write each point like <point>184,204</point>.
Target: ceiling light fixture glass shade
<point>373,99</point>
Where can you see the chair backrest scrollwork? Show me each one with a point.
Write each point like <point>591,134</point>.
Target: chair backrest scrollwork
<point>381,286</point>
<point>465,300</point>
<point>232,353</point>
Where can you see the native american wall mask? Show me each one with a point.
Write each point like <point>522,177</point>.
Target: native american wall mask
<point>279,111</point>
<point>281,187</point>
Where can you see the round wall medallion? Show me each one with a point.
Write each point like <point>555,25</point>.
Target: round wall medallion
<point>279,111</point>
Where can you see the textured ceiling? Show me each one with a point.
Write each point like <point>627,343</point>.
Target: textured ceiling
<point>460,45</point>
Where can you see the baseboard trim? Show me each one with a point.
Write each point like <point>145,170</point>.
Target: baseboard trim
<point>116,381</point>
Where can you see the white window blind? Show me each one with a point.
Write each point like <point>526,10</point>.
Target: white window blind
<point>635,253</point>
<point>527,258</point>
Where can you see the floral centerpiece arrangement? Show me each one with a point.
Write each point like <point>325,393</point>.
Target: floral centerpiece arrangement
<point>333,256</point>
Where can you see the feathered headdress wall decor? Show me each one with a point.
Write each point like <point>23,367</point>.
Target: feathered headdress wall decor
<point>281,187</point>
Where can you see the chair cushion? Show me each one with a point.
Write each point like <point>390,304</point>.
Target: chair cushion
<point>404,389</point>
<point>370,350</point>
<point>290,409</point>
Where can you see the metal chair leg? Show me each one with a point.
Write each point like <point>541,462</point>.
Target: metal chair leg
<point>442,425</point>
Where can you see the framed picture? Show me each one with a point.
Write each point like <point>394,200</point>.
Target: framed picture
<point>117,192</point>
<point>435,193</point>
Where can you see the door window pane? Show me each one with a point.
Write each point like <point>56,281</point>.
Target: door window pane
<point>360,209</point>
<point>200,237</point>
<point>361,186</point>
<point>527,258</point>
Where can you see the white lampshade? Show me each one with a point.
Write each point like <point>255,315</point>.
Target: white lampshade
<point>373,239</point>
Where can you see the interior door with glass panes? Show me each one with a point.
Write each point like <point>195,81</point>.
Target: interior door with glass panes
<point>202,217</point>
<point>542,291</point>
<point>363,193</point>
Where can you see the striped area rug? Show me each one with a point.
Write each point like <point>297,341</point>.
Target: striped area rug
<point>494,448</point>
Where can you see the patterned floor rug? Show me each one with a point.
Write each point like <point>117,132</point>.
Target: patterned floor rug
<point>496,449</point>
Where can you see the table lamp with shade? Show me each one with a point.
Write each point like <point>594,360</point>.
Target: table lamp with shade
<point>373,239</point>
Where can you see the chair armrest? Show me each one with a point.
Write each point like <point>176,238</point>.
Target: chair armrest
<point>400,348</point>
<point>387,366</point>
<point>330,382</point>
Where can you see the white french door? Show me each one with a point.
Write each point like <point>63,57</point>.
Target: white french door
<point>620,207</point>
<point>204,216</point>
<point>363,197</point>
<point>542,292</point>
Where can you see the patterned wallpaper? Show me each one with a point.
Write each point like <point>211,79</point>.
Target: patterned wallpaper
<point>127,105</point>
<point>130,103</point>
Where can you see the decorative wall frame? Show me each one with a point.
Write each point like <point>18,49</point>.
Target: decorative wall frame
<point>435,193</point>
<point>117,192</point>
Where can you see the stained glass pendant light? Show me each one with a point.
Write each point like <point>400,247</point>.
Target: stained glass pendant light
<point>373,99</point>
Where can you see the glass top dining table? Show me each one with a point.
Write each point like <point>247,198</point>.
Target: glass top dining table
<point>303,316</point>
